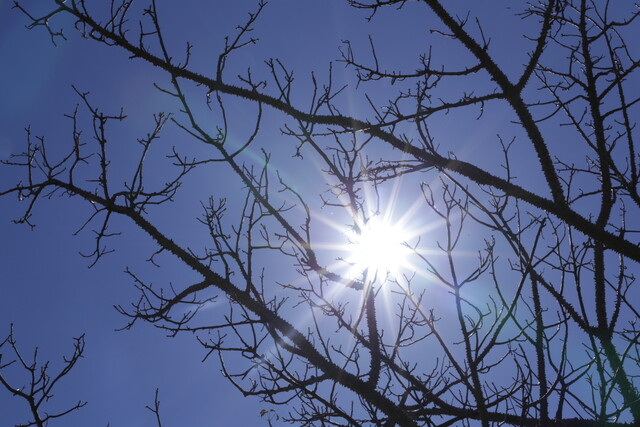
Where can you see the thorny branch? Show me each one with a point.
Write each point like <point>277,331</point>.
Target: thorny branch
<point>549,272</point>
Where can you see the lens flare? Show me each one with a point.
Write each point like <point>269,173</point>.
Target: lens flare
<point>378,248</point>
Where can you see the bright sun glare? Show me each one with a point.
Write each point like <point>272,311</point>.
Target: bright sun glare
<point>378,249</point>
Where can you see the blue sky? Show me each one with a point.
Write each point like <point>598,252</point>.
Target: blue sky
<point>48,292</point>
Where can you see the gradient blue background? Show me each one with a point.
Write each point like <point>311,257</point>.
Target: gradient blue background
<point>46,289</point>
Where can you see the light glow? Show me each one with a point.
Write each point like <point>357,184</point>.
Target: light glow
<point>377,248</point>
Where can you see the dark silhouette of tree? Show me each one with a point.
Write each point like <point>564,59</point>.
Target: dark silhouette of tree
<point>37,386</point>
<point>537,327</point>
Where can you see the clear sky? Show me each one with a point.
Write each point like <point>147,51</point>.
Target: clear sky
<point>48,292</point>
<point>46,289</point>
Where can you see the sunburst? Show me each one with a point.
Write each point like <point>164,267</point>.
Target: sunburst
<point>377,248</point>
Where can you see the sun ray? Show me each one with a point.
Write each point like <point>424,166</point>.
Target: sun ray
<point>377,248</point>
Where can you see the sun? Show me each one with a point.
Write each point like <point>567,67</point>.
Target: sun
<point>377,248</point>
